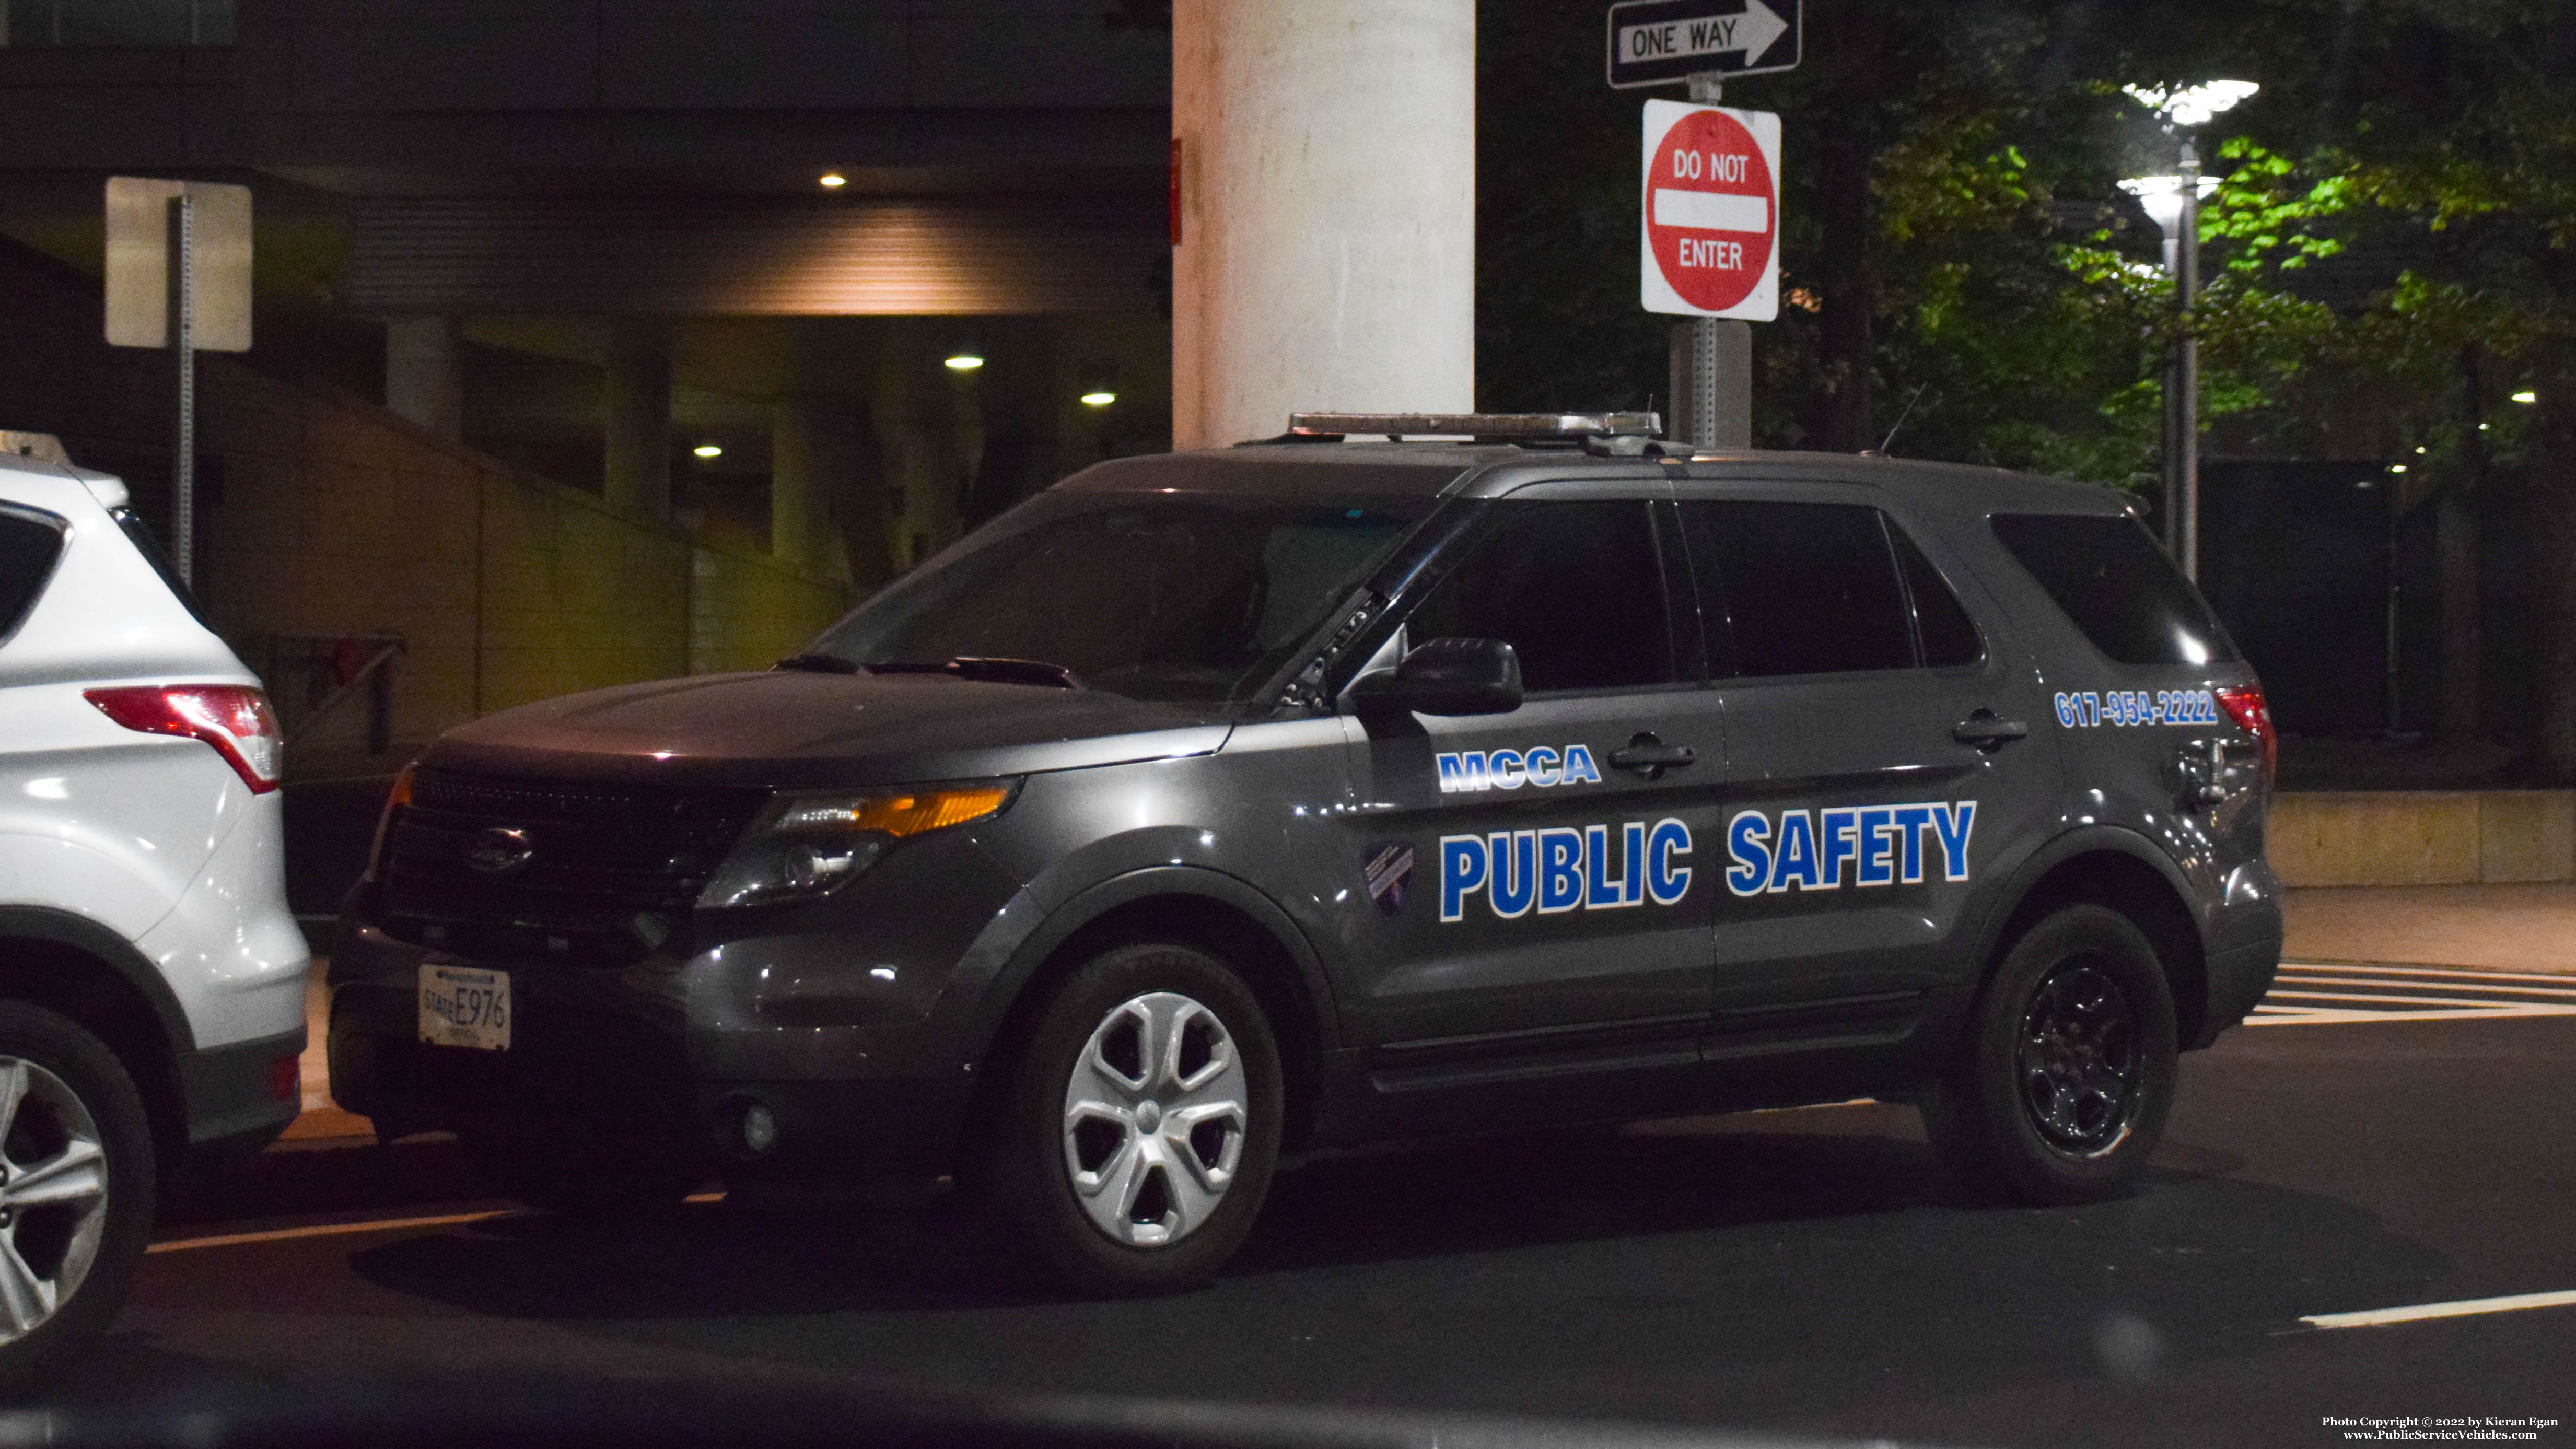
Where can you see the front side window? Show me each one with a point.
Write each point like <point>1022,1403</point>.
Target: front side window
<point>1805,588</point>
<point>1172,597</point>
<point>1576,588</point>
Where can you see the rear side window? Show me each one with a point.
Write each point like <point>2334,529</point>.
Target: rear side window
<point>29,544</point>
<point>139,533</point>
<point>1577,590</point>
<point>2117,586</point>
<point>1808,588</point>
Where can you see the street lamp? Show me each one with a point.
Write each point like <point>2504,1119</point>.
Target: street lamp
<point>2174,204</point>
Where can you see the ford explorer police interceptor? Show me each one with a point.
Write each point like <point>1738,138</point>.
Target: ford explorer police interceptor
<point>1220,805</point>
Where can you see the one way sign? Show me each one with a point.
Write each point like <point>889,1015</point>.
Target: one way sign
<point>1656,42</point>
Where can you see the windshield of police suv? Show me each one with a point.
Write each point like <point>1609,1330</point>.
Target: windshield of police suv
<point>1182,598</point>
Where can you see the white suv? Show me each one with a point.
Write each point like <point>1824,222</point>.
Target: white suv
<point>151,976</point>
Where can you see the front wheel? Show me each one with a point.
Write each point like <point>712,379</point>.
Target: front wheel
<point>1133,1142</point>
<point>76,1189</point>
<point>2059,1094</point>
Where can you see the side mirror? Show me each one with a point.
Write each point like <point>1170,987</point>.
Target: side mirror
<point>1444,676</point>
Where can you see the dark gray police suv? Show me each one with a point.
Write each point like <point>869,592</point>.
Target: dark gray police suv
<point>1219,806</point>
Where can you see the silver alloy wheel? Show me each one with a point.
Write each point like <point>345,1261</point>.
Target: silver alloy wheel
<point>53,1195</point>
<point>1154,1118</point>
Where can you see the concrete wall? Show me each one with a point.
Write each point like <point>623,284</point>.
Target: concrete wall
<point>2382,838</point>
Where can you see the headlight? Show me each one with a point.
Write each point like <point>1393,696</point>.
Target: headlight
<point>803,845</point>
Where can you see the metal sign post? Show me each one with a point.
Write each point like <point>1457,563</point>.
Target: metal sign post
<point>178,276</point>
<point>2186,501</point>
<point>1711,203</point>
<point>1710,250</point>
<point>183,346</point>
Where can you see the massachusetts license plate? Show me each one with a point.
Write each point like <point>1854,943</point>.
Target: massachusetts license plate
<point>463,1006</point>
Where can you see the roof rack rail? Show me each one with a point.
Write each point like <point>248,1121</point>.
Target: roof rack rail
<point>1501,427</point>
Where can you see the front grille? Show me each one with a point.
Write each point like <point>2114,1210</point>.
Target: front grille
<point>608,869</point>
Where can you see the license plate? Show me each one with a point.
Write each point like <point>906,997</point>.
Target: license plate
<point>463,1006</point>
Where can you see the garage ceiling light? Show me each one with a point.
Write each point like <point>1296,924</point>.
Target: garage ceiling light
<point>708,450</point>
<point>832,179</point>
<point>1099,398</point>
<point>964,361</point>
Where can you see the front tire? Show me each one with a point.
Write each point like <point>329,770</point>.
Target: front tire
<point>76,1189</point>
<point>2060,1092</point>
<point>1133,1141</point>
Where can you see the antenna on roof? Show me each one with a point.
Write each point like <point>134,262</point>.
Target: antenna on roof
<point>1901,417</point>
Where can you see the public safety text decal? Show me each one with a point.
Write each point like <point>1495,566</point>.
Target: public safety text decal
<point>1883,845</point>
<point>1564,869</point>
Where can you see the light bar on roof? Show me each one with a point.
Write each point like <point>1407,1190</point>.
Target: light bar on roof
<point>1477,425</point>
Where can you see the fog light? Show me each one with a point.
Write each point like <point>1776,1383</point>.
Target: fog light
<point>759,1129</point>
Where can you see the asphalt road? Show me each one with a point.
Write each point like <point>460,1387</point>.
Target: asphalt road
<point>1796,1272</point>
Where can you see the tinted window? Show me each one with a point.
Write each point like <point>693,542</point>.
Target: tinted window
<point>1576,588</point>
<point>29,543</point>
<point>140,534</point>
<point>1942,626</point>
<point>1806,588</point>
<point>1153,596</point>
<point>2118,586</point>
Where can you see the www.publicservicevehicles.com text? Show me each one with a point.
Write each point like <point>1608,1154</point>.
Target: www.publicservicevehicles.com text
<point>2480,1427</point>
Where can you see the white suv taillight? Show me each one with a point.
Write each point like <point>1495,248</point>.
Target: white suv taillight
<point>233,718</point>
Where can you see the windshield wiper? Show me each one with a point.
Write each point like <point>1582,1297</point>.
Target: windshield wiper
<point>817,664</point>
<point>990,671</point>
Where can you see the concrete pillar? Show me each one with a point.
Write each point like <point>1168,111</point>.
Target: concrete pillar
<point>635,415</point>
<point>424,374</point>
<point>813,442</point>
<point>1328,211</point>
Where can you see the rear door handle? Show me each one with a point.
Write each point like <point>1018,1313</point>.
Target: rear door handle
<point>1986,732</point>
<point>1650,757</point>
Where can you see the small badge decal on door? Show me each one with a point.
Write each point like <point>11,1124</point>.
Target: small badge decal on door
<point>1388,869</point>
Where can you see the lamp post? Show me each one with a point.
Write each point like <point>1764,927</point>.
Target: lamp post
<point>2173,202</point>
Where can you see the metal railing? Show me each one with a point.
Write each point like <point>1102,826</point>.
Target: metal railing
<point>311,675</point>
<point>116,22</point>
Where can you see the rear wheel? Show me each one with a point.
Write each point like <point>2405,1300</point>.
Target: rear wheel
<point>76,1189</point>
<point>1133,1143</point>
<point>2060,1092</point>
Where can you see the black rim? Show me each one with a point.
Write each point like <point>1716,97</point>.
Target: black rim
<point>2080,1063</point>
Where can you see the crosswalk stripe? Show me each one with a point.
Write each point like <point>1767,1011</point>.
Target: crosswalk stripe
<point>2561,993</point>
<point>2392,970</point>
<point>2314,993</point>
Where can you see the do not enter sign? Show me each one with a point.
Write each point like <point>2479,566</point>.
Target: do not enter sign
<point>1712,212</point>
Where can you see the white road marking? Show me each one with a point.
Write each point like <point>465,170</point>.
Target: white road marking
<point>2405,993</point>
<point>2465,1308</point>
<point>2565,982</point>
<point>2308,979</point>
<point>332,1230</point>
<point>365,1225</point>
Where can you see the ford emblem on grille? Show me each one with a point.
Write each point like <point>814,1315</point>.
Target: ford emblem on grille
<point>498,850</point>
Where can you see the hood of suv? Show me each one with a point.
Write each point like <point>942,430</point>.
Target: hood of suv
<point>786,728</point>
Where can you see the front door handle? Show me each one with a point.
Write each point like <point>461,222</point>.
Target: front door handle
<point>1650,757</point>
<point>1986,732</point>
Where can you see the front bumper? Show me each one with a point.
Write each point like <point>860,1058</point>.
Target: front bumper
<point>660,1058</point>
